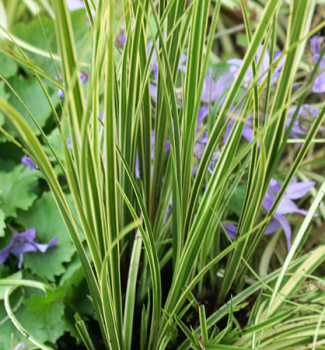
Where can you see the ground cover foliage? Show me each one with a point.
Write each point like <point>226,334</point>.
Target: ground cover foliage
<point>162,174</point>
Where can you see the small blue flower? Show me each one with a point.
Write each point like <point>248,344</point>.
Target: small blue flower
<point>212,90</point>
<point>24,243</point>
<point>154,66</point>
<point>74,5</point>
<point>315,46</point>
<point>120,40</point>
<point>153,139</point>
<point>27,161</point>
<point>83,79</point>
<point>236,63</point>
<point>294,191</point>
<point>305,112</point>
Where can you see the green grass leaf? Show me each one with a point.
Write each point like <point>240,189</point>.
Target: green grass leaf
<point>2,223</point>
<point>5,96</point>
<point>237,199</point>
<point>15,276</point>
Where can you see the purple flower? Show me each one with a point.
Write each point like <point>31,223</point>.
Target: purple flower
<point>315,46</point>
<point>213,90</point>
<point>24,243</point>
<point>153,92</point>
<point>69,143</point>
<point>203,113</point>
<point>74,5</point>
<point>154,66</point>
<point>247,132</point>
<point>201,142</point>
<point>319,83</point>
<point>236,63</point>
<point>20,346</point>
<point>153,139</point>
<point>120,40</point>
<point>154,62</point>
<point>305,112</point>
<point>278,68</point>
<point>231,230</point>
<point>182,65</point>
<point>294,191</point>
<point>83,79</point>
<point>27,161</point>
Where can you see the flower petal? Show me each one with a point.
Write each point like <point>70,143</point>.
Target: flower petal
<point>228,130</point>
<point>235,61</point>
<point>153,92</point>
<point>27,161</point>
<point>322,61</point>
<point>299,189</point>
<point>248,132</point>
<point>267,203</point>
<point>275,186</point>
<point>137,166</point>
<point>4,253</point>
<point>266,59</point>
<point>204,138</point>
<point>20,262</point>
<point>296,129</point>
<point>203,112</point>
<point>274,225</point>
<point>286,206</point>
<point>154,61</point>
<point>69,143</point>
<point>28,235</point>
<point>280,65</point>
<point>44,247</point>
<point>319,83</point>
<point>286,227</point>
<point>19,346</point>
<point>75,5</point>
<point>231,230</point>
<point>315,44</point>
<point>83,77</point>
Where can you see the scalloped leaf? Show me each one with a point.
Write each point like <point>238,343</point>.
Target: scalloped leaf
<point>47,309</point>
<point>33,96</point>
<point>45,217</point>
<point>14,190</point>
<point>33,326</point>
<point>10,64</point>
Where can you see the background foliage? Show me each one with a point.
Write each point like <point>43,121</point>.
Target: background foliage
<point>140,189</point>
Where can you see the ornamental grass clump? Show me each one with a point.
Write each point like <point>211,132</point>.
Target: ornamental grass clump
<point>168,168</point>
